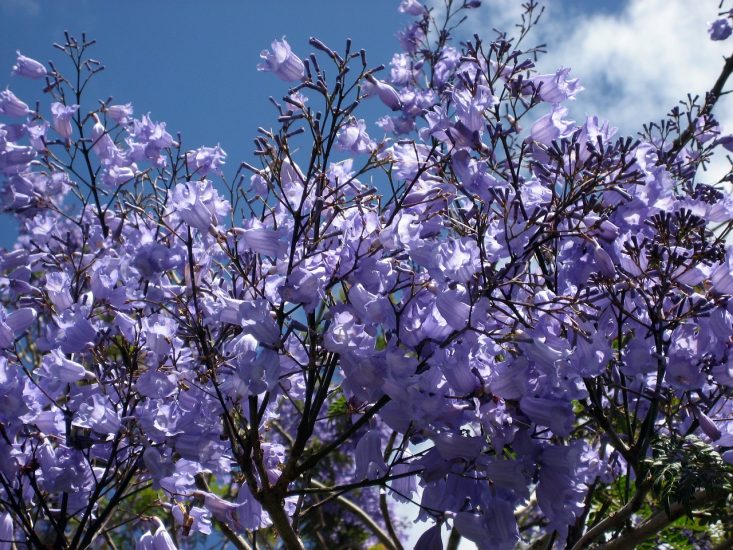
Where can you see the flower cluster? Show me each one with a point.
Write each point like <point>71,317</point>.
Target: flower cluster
<point>492,311</point>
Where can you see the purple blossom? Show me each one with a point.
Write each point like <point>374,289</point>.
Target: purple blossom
<point>13,324</point>
<point>11,106</point>
<point>56,366</point>
<point>62,116</point>
<point>198,204</point>
<point>386,93</point>
<point>720,29</point>
<point>369,461</point>
<point>411,37</point>
<point>552,126</point>
<point>76,333</point>
<point>401,71</point>
<point>102,143</point>
<point>411,7</point>
<point>554,413</point>
<point>484,319</point>
<point>195,520</point>
<point>353,137</point>
<point>122,114</point>
<point>6,531</point>
<point>160,540</point>
<point>458,260</point>
<point>556,88</point>
<point>28,68</point>
<point>493,528</point>
<point>282,61</point>
<point>205,160</point>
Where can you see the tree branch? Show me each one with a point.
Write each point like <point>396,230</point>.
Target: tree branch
<point>711,99</point>
<point>660,520</point>
<point>616,520</point>
<point>372,525</point>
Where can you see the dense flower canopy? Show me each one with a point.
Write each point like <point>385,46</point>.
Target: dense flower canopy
<point>518,322</point>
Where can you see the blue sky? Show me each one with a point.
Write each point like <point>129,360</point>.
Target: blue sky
<point>195,68</point>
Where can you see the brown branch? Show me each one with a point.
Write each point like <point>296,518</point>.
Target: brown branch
<point>372,525</point>
<point>661,520</point>
<point>616,520</point>
<point>711,99</point>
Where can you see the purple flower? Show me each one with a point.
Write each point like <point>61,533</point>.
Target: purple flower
<point>11,325</point>
<point>493,528</point>
<point>369,460</point>
<point>195,520</point>
<point>707,425</point>
<point>472,105</point>
<point>259,238</point>
<point>95,412</point>
<point>76,333</point>
<point>256,368</point>
<point>720,29</point>
<point>159,332</point>
<point>449,59</point>
<point>6,531</point>
<point>458,259</point>
<point>250,514</point>
<point>254,317</point>
<point>122,114</point>
<point>62,115</point>
<point>102,143</point>
<point>28,68</point>
<point>410,37</point>
<point>304,286</point>
<point>402,71</point>
<point>282,61</point>
<point>551,126</point>
<point>605,264</point>
<point>220,509</point>
<point>160,540</point>
<point>346,333</point>
<point>118,175</point>
<point>452,306</point>
<point>411,7</point>
<point>10,105</point>
<point>556,88</point>
<point>198,204</point>
<point>384,91</point>
<point>561,491</point>
<point>556,414</point>
<point>353,137</point>
<point>157,467</point>
<point>430,539</point>
<point>56,366</point>
<point>206,159</point>
<point>722,276</point>
<point>452,446</point>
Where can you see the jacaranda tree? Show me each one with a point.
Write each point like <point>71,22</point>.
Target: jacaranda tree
<point>521,324</point>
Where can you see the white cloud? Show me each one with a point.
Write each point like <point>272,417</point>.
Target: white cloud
<point>635,62</point>
<point>638,63</point>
